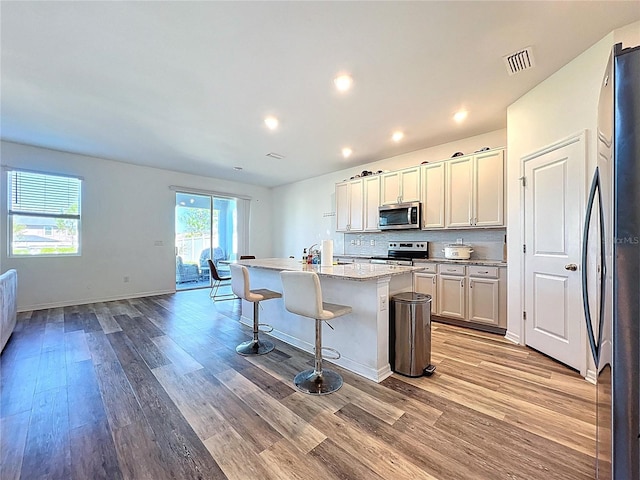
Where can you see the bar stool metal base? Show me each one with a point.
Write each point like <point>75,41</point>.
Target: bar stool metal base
<point>255,347</point>
<point>315,383</point>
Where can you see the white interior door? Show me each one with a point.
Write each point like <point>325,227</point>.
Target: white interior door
<point>553,222</point>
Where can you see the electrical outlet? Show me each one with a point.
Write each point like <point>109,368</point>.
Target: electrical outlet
<point>353,242</point>
<point>459,241</point>
<point>373,243</point>
<point>158,243</point>
<point>383,303</point>
<point>126,279</point>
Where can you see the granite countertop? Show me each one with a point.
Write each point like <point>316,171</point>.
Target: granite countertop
<point>352,271</point>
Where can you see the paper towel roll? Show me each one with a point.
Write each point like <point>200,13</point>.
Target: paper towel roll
<point>327,253</point>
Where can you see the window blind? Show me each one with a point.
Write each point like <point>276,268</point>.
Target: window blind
<point>44,195</point>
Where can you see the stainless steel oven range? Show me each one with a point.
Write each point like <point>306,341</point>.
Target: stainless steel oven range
<point>403,253</point>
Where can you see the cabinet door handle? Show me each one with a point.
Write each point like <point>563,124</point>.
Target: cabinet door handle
<point>483,272</point>
<point>461,283</point>
<point>434,279</point>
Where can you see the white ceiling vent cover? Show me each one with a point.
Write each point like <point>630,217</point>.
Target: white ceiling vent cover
<point>519,61</point>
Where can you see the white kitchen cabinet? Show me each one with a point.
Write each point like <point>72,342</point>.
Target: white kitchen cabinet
<point>488,190</point>
<point>451,291</point>
<point>401,186</point>
<point>474,294</point>
<point>483,297</point>
<point>350,206</point>
<point>475,190</point>
<point>433,195</point>
<point>371,189</point>
<point>427,282</point>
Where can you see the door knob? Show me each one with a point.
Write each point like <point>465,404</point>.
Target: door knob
<point>571,266</point>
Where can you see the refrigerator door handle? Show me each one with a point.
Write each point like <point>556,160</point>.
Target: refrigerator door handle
<point>595,188</point>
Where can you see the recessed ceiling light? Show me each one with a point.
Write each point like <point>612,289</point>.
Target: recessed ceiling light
<point>397,136</point>
<point>346,152</point>
<point>460,116</point>
<point>271,122</point>
<point>343,82</point>
<point>237,168</point>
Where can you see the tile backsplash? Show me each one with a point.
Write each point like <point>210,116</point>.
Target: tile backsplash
<point>488,244</point>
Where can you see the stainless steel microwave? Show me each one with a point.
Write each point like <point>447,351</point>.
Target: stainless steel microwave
<point>399,216</point>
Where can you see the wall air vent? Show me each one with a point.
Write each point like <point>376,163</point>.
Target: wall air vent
<point>518,61</point>
<point>277,156</point>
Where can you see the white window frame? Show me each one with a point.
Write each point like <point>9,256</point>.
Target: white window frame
<point>32,211</point>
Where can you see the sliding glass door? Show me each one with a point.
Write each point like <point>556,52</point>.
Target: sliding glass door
<point>206,228</point>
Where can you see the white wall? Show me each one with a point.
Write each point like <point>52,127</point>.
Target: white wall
<point>304,212</point>
<point>125,209</point>
<point>563,105</point>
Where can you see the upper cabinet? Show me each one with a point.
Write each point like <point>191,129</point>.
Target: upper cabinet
<point>433,188</point>
<point>475,190</point>
<point>402,186</point>
<point>489,189</point>
<point>371,192</point>
<point>460,192</point>
<point>349,206</point>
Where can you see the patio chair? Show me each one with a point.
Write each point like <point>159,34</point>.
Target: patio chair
<point>186,272</point>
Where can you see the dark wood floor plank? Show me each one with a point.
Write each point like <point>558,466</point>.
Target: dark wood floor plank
<point>252,427</point>
<point>119,400</point>
<point>47,453</point>
<point>176,439</point>
<point>100,348</point>
<point>83,396</point>
<point>52,370</point>
<point>13,436</point>
<point>93,453</point>
<point>140,341</point>
<point>18,378</point>
<point>341,464</point>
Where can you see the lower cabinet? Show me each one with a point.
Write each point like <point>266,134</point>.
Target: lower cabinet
<point>426,282</point>
<point>474,294</point>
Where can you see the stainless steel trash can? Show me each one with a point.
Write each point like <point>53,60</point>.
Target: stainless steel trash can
<point>410,334</point>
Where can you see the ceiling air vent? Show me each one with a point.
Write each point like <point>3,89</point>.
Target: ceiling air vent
<point>277,156</point>
<point>519,61</point>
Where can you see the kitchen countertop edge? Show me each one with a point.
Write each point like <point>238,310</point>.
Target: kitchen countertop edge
<point>355,271</point>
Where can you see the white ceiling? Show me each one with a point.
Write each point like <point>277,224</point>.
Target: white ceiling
<point>185,86</point>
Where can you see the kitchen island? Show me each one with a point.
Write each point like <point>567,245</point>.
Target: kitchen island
<point>361,337</point>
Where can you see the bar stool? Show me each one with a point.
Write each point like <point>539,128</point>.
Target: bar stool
<point>240,287</point>
<point>303,296</point>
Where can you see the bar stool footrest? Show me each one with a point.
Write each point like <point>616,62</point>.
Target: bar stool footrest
<point>314,383</point>
<point>269,327</point>
<point>332,350</point>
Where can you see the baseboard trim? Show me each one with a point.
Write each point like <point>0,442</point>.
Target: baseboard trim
<point>512,337</point>
<point>591,376</point>
<point>71,303</point>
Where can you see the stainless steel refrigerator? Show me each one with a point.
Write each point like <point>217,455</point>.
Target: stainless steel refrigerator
<point>611,254</point>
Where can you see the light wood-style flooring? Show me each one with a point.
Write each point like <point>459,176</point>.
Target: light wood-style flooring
<point>152,388</point>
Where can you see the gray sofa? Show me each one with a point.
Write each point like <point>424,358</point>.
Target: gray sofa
<point>9,305</point>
